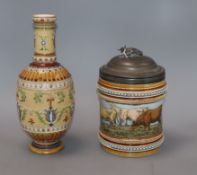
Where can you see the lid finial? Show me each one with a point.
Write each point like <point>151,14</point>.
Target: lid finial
<point>130,52</point>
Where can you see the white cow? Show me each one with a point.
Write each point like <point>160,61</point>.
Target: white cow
<point>132,114</point>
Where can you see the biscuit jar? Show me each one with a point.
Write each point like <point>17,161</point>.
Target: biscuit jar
<point>131,90</point>
<point>45,93</point>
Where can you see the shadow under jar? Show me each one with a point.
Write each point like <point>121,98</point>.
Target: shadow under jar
<point>131,90</point>
<point>45,92</point>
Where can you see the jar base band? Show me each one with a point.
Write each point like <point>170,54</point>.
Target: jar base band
<point>131,141</point>
<point>46,149</point>
<point>129,149</point>
<point>130,154</point>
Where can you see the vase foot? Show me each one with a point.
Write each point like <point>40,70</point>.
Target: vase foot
<point>46,149</point>
<point>130,154</point>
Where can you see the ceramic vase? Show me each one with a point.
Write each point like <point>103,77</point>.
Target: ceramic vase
<point>45,93</point>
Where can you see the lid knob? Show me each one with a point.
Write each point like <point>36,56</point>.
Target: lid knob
<point>130,52</point>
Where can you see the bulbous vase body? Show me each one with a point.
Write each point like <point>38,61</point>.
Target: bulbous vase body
<point>45,92</point>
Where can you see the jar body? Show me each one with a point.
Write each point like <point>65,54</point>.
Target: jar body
<point>131,117</point>
<point>45,101</point>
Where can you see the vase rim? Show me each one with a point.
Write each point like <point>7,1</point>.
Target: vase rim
<point>44,17</point>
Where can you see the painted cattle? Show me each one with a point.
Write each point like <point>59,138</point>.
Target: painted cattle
<point>149,116</point>
<point>109,114</point>
<point>132,114</point>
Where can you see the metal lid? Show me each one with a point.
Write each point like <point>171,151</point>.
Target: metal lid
<point>132,67</point>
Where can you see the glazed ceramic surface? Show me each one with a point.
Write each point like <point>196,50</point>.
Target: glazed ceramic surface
<point>131,111</point>
<point>45,92</point>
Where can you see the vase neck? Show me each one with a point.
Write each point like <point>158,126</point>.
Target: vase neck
<point>44,38</point>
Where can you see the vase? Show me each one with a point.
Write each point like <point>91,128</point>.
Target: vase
<point>131,91</point>
<point>45,92</point>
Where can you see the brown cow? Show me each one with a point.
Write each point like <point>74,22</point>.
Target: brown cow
<point>148,117</point>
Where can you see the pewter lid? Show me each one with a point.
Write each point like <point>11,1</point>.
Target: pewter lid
<point>132,67</point>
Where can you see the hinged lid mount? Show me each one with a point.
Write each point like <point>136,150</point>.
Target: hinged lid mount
<point>132,67</point>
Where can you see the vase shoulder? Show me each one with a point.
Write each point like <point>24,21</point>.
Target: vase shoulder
<point>42,73</point>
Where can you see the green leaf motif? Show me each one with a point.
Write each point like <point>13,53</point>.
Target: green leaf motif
<point>60,114</point>
<point>44,48</point>
<point>38,97</point>
<point>71,110</point>
<point>23,114</point>
<point>71,94</point>
<point>61,96</point>
<point>22,96</point>
<point>39,115</point>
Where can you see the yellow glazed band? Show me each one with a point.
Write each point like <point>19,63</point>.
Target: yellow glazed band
<point>131,87</point>
<point>131,141</point>
<point>131,101</point>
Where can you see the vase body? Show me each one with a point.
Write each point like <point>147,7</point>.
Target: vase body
<point>131,93</point>
<point>45,92</point>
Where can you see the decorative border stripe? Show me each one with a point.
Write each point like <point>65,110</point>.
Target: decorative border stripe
<point>132,94</point>
<point>131,141</point>
<point>44,18</point>
<point>130,149</point>
<point>131,101</point>
<point>45,59</point>
<point>44,85</point>
<point>44,69</point>
<point>44,130</point>
<point>131,86</point>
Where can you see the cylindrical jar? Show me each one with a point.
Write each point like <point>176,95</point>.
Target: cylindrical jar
<point>131,90</point>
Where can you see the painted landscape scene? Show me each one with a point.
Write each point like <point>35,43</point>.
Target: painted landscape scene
<point>120,121</point>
